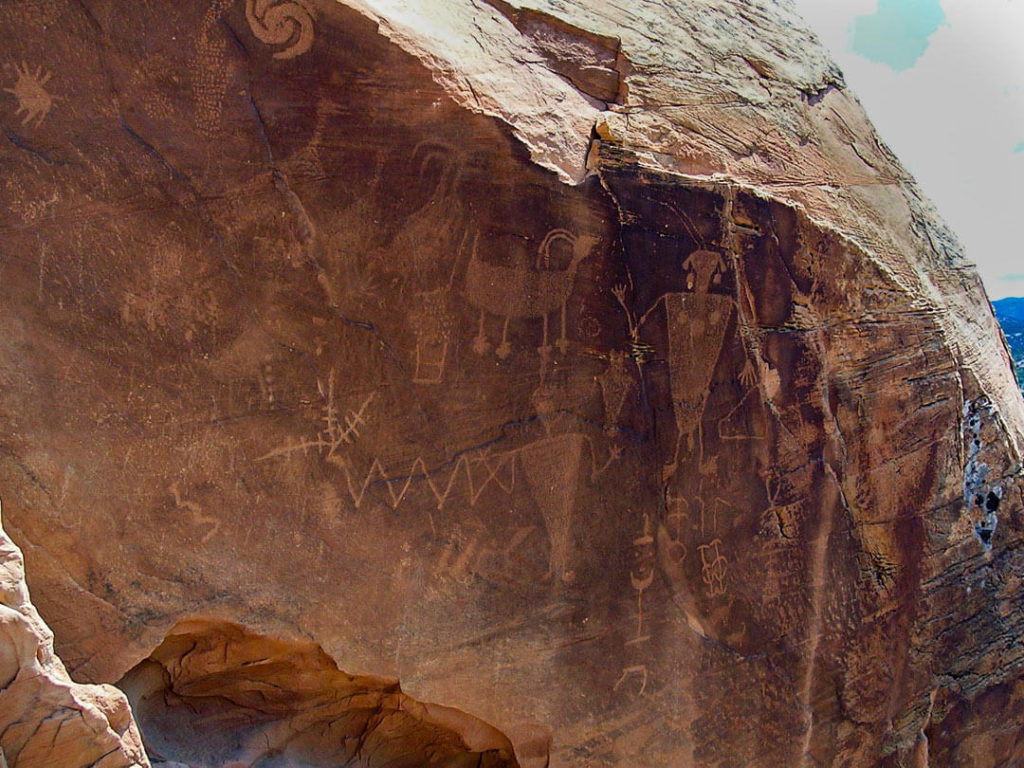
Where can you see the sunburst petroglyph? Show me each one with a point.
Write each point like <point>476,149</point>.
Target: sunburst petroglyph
<point>34,102</point>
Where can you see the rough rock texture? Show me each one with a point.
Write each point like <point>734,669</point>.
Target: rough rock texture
<point>213,694</point>
<point>1010,314</point>
<point>46,720</point>
<point>711,458</point>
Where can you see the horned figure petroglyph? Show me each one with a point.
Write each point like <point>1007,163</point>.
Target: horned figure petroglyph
<point>282,22</point>
<point>523,291</point>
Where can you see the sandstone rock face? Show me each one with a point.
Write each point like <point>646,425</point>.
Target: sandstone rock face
<point>594,371</point>
<point>46,720</point>
<point>213,694</point>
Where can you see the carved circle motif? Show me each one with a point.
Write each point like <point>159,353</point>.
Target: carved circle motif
<point>281,22</point>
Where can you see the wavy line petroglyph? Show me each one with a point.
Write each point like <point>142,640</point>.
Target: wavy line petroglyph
<point>396,487</point>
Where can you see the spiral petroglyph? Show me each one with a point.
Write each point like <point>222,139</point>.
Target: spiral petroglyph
<point>287,23</point>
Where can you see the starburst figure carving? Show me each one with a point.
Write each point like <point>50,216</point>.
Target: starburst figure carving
<point>33,100</point>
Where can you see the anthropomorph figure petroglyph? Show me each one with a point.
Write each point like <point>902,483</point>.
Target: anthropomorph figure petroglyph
<point>696,320</point>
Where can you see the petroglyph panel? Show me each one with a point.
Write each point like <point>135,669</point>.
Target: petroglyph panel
<point>635,468</point>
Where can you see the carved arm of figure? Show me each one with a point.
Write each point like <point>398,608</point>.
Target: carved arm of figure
<point>614,453</point>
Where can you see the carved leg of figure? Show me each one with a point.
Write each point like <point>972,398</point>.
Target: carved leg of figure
<point>563,341</point>
<point>430,359</point>
<point>480,345</point>
<point>545,348</point>
<point>504,349</point>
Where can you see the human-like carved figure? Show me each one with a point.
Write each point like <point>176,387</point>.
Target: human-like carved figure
<point>434,232</point>
<point>697,320</point>
<point>642,576</point>
<point>552,467</point>
<point>617,384</point>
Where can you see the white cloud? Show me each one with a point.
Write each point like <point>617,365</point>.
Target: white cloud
<point>954,119</point>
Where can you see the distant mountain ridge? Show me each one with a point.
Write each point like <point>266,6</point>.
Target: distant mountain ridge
<point>1010,314</point>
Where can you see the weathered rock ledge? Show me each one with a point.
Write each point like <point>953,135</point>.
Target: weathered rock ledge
<point>46,720</point>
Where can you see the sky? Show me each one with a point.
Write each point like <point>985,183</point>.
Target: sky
<point>943,82</point>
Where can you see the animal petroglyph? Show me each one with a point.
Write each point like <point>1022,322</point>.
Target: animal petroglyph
<point>196,512</point>
<point>639,671</point>
<point>523,291</point>
<point>467,556</point>
<point>461,557</point>
<point>34,102</point>
<point>286,23</point>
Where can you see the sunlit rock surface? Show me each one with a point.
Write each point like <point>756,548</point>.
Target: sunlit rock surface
<point>46,720</point>
<point>592,369</point>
